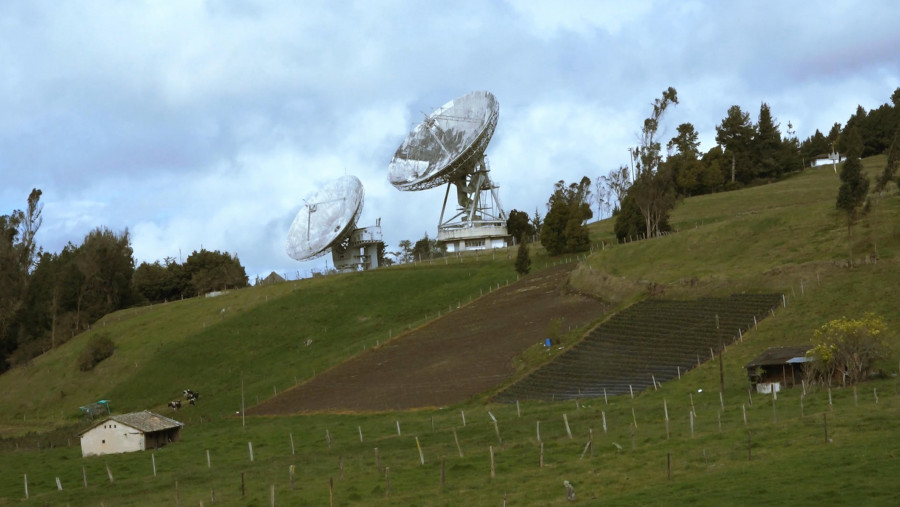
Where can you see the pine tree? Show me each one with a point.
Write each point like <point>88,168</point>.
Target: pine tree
<point>523,259</point>
<point>852,194</point>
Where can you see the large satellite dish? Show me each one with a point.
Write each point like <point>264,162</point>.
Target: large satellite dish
<point>448,144</point>
<point>326,219</point>
<point>448,147</point>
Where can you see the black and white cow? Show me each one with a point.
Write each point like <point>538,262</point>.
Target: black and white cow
<point>191,396</point>
<point>175,405</point>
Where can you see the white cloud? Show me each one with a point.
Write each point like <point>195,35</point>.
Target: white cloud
<point>204,123</point>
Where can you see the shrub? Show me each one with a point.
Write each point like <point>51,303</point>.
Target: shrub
<point>98,348</point>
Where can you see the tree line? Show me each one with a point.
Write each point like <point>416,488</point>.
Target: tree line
<point>641,195</point>
<point>47,298</point>
<point>747,153</point>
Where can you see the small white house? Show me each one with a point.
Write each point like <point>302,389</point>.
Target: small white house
<point>129,432</point>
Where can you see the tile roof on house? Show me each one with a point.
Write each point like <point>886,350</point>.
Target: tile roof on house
<point>780,355</point>
<point>146,422</point>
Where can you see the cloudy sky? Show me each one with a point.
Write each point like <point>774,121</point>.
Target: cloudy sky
<point>205,123</point>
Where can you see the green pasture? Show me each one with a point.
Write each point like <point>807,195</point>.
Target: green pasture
<point>785,237</point>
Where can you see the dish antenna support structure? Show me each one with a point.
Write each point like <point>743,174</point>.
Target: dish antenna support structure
<point>327,221</point>
<point>448,148</point>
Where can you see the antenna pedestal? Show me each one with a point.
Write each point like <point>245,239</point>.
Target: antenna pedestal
<point>479,222</point>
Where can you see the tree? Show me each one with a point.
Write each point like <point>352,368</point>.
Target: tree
<point>648,152</point>
<point>537,222</point>
<point>849,348</point>
<point>564,228</point>
<point>518,225</point>
<point>653,192</point>
<point>406,249</point>
<point>18,254</point>
<point>157,282</point>
<point>684,164</point>
<point>890,169</point>
<point>618,182</point>
<point>813,146</point>
<point>523,259</point>
<point>735,135</point>
<point>426,248</point>
<point>214,270</point>
<point>106,264</point>
<point>629,221</point>
<point>767,145</point>
<point>852,194</point>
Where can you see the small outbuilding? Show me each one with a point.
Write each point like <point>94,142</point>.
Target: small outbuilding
<point>777,367</point>
<point>129,432</point>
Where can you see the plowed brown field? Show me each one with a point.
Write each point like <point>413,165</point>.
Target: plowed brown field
<point>448,360</point>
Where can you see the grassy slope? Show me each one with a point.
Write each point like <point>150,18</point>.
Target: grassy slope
<point>775,237</point>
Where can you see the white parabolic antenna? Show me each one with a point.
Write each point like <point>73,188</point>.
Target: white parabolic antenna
<point>326,218</point>
<point>448,148</point>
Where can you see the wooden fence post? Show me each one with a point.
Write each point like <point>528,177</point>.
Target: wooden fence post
<point>491,449</point>
<point>666,410</point>
<point>456,439</point>
<point>568,431</point>
<point>153,460</point>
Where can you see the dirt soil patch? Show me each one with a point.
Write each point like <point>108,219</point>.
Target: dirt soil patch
<point>448,360</point>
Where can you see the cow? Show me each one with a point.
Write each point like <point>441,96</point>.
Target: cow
<point>191,396</point>
<point>175,405</point>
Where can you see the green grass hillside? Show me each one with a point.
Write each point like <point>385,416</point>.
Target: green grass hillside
<point>785,237</point>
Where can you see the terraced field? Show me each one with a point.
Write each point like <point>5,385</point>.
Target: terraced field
<point>654,339</point>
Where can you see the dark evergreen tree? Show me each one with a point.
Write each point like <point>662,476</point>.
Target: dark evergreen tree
<point>735,135</point>
<point>629,221</point>
<point>523,259</point>
<point>767,145</point>
<point>852,193</point>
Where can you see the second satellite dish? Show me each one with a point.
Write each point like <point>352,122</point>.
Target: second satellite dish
<point>327,221</point>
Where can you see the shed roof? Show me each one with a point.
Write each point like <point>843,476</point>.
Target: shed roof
<point>146,422</point>
<point>780,355</point>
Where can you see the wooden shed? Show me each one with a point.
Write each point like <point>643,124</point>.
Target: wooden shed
<point>777,368</point>
<point>129,432</point>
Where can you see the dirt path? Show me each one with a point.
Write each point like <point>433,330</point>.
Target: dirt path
<point>449,360</point>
